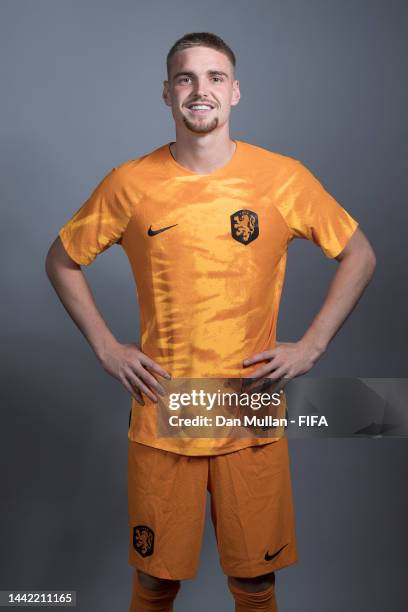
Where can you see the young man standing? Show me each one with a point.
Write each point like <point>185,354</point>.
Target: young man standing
<point>205,222</point>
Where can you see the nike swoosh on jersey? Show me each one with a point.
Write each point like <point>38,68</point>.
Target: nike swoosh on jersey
<point>269,557</point>
<point>152,232</point>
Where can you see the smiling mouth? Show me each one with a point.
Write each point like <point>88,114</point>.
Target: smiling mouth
<point>200,109</point>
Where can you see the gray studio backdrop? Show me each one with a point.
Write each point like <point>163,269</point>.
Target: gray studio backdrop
<point>322,81</point>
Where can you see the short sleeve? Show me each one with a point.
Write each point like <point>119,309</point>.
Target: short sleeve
<point>312,213</point>
<point>100,222</point>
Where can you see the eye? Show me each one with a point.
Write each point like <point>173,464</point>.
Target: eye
<point>184,79</point>
<point>219,79</point>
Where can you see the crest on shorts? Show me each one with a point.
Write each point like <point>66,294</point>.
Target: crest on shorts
<point>244,226</point>
<point>143,540</point>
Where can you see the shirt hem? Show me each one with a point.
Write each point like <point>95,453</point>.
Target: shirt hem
<point>166,445</point>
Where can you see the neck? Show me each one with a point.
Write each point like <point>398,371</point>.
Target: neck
<point>203,153</point>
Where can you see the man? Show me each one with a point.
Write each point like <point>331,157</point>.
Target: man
<point>205,222</point>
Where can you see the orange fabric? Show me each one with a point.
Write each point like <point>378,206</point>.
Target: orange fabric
<point>261,601</point>
<point>251,509</point>
<point>209,284</point>
<point>146,600</point>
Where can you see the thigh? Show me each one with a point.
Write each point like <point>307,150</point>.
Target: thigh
<point>252,509</point>
<point>166,508</point>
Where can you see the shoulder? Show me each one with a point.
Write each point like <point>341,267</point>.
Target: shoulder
<point>262,160</point>
<point>136,171</point>
<point>140,165</point>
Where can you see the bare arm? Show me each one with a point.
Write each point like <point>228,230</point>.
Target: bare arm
<point>355,270</point>
<point>123,361</point>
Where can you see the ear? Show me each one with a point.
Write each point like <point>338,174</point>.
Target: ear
<point>166,93</point>
<point>236,94</point>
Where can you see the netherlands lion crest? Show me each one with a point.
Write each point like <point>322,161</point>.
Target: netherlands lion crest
<point>244,226</point>
<point>143,540</point>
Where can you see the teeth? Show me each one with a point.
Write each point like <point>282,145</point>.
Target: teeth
<point>200,107</point>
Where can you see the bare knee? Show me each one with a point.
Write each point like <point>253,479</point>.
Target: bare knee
<point>253,585</point>
<point>153,583</point>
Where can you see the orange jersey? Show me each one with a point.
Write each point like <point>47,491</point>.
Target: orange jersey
<point>208,255</point>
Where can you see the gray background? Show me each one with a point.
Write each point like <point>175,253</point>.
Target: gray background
<point>322,81</point>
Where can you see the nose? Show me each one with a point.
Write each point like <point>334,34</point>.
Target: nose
<point>201,88</point>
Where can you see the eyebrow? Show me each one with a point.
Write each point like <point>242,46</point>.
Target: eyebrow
<point>210,72</point>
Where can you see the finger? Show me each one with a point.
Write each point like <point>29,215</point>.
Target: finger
<point>250,385</point>
<point>136,382</point>
<point>138,394</point>
<point>260,357</point>
<point>152,365</point>
<point>148,379</point>
<point>281,384</point>
<point>264,370</point>
<point>280,373</point>
<point>135,393</point>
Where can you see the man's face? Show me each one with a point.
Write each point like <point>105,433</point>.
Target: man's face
<point>201,89</point>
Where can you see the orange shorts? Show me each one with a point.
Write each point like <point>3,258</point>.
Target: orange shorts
<point>251,510</point>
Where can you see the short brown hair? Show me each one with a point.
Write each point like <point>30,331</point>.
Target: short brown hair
<point>200,39</point>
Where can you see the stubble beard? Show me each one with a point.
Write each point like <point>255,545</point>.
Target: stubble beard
<point>200,127</point>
